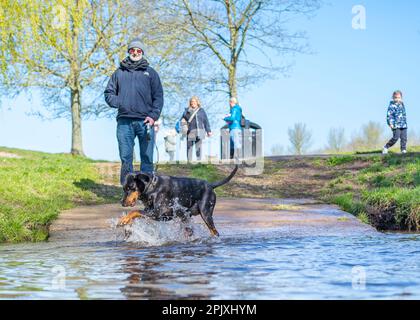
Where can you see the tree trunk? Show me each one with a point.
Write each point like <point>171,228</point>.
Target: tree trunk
<point>75,93</point>
<point>76,121</point>
<point>233,90</point>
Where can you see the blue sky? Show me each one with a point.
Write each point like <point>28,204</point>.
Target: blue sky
<point>345,83</point>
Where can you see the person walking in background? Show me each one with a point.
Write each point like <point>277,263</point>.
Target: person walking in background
<point>170,143</point>
<point>136,91</point>
<point>235,129</point>
<point>195,117</point>
<point>156,127</point>
<point>397,121</point>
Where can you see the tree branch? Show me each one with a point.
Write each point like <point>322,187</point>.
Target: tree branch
<point>204,36</point>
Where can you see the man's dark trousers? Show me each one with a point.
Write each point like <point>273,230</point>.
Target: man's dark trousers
<point>127,131</point>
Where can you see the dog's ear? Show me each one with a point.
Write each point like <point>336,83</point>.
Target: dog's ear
<point>130,181</point>
<point>144,177</point>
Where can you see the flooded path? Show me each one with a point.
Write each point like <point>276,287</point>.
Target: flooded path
<point>232,217</point>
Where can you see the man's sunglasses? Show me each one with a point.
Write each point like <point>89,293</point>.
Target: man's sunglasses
<point>132,50</point>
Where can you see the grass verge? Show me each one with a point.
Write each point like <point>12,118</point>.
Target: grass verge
<point>386,193</point>
<point>36,186</point>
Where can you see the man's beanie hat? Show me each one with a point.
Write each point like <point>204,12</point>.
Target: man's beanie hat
<point>135,43</point>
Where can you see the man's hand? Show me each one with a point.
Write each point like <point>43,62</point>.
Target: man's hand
<point>149,120</point>
<point>209,134</point>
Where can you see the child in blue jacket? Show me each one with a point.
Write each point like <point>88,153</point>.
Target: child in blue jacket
<point>397,121</point>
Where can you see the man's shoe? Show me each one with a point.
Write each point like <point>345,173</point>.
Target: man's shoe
<point>404,151</point>
<point>385,150</point>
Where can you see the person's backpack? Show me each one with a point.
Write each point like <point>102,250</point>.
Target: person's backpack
<point>243,121</point>
<point>178,126</point>
<point>181,126</point>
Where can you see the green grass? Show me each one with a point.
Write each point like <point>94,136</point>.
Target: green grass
<point>36,187</point>
<point>205,171</point>
<point>363,217</point>
<point>339,160</point>
<point>388,184</point>
<point>349,203</point>
<point>287,207</point>
<point>208,172</point>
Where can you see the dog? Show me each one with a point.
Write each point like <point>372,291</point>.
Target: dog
<point>166,197</point>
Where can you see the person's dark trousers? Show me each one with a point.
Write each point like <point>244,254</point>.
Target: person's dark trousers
<point>190,143</point>
<point>127,131</point>
<point>398,134</point>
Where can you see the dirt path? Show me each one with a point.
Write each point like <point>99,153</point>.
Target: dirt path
<point>297,217</point>
<point>9,155</point>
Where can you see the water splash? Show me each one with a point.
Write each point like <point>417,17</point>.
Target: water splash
<point>149,232</point>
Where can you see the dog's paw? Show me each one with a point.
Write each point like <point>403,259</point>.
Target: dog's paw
<point>129,218</point>
<point>214,232</point>
<point>124,221</point>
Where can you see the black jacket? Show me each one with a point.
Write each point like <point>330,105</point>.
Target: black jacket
<point>135,90</point>
<point>200,120</point>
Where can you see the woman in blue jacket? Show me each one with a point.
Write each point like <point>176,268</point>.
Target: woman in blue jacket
<point>234,123</point>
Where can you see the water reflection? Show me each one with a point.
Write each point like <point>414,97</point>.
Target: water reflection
<point>273,265</point>
<point>150,276</point>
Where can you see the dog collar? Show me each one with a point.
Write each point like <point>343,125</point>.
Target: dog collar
<point>153,182</point>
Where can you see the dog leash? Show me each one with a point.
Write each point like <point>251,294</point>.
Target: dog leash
<point>157,158</point>
<point>148,138</point>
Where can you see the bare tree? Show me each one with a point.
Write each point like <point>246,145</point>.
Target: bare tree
<point>300,138</point>
<point>414,137</point>
<point>336,139</point>
<point>372,132</point>
<point>227,31</point>
<point>370,136</point>
<point>277,150</point>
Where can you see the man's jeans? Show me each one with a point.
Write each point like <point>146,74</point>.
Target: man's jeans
<point>127,131</point>
<point>397,134</point>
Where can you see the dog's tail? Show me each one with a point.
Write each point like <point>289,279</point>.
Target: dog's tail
<point>225,180</point>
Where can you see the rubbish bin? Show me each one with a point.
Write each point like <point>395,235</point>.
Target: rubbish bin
<point>251,142</point>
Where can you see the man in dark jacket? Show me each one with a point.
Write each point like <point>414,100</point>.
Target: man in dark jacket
<point>136,91</point>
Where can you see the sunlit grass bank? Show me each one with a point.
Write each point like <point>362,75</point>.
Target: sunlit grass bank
<point>36,186</point>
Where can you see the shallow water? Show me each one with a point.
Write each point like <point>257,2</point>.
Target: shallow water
<point>272,263</point>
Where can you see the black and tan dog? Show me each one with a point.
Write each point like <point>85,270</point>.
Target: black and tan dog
<point>166,197</point>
